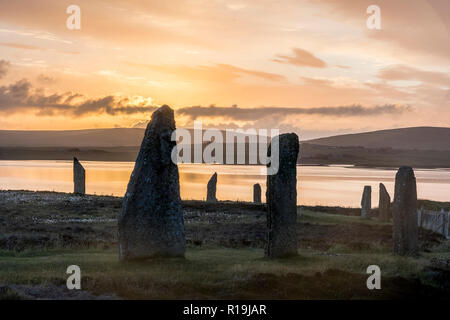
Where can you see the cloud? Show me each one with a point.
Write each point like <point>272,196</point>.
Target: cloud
<point>217,72</point>
<point>401,72</point>
<point>316,82</point>
<point>142,124</point>
<point>42,78</point>
<point>22,96</point>
<point>260,74</point>
<point>419,28</point>
<point>253,114</point>
<point>301,58</point>
<point>4,66</point>
<point>19,46</point>
<point>15,45</point>
<point>137,20</point>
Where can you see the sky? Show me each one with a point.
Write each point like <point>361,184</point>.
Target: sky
<point>307,66</point>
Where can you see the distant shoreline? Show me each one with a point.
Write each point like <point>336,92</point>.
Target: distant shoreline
<point>310,155</point>
<point>349,165</point>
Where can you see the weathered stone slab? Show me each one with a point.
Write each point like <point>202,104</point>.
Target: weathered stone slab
<point>79,177</point>
<point>211,189</point>
<point>151,220</point>
<point>281,197</point>
<point>256,193</point>
<point>366,202</point>
<point>406,234</point>
<point>384,204</point>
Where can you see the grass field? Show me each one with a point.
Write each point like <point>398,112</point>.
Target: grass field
<point>224,258</point>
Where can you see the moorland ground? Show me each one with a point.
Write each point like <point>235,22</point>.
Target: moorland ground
<point>42,233</point>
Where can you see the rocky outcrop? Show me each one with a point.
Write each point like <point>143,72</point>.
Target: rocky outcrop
<point>281,197</point>
<point>79,177</point>
<point>406,233</point>
<point>366,202</point>
<point>151,220</point>
<point>384,204</point>
<point>211,189</point>
<point>256,193</point>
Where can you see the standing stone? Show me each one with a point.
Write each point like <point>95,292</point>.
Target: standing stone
<point>79,177</point>
<point>384,204</point>
<point>366,202</point>
<point>406,231</point>
<point>256,193</point>
<point>281,196</point>
<point>212,186</point>
<point>151,220</point>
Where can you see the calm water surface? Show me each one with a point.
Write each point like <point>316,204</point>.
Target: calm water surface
<point>316,185</point>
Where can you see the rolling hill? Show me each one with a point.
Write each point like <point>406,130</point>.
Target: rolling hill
<point>424,147</point>
<point>418,138</point>
<point>124,137</point>
<point>103,138</point>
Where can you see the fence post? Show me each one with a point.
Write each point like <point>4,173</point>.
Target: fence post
<point>419,217</point>
<point>444,220</point>
<point>447,230</point>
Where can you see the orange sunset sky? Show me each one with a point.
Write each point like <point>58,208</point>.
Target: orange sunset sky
<point>309,66</point>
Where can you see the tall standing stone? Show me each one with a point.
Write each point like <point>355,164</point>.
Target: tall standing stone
<point>211,189</point>
<point>384,204</point>
<point>151,220</point>
<point>366,202</point>
<point>281,197</point>
<point>79,177</point>
<point>256,193</point>
<point>406,230</point>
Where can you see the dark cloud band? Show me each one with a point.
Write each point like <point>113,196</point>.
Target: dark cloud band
<point>21,95</point>
<point>4,65</point>
<point>252,114</point>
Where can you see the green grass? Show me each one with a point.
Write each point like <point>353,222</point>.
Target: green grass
<point>315,217</point>
<point>434,205</point>
<point>204,273</point>
<point>330,242</point>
